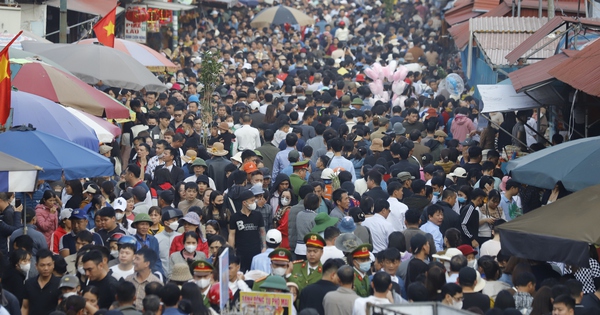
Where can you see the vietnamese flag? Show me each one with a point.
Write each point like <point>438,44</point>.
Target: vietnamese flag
<point>105,29</point>
<point>5,86</point>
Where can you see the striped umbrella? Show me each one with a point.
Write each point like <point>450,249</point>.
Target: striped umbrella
<point>280,15</point>
<point>147,56</point>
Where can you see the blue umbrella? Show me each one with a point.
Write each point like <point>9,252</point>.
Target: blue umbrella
<point>55,155</point>
<point>51,118</point>
<point>574,163</point>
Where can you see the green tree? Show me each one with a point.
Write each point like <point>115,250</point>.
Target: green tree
<point>209,77</point>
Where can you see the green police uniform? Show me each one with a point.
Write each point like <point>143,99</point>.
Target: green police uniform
<point>295,180</point>
<point>361,282</point>
<point>300,273</point>
<point>278,255</point>
<point>302,277</point>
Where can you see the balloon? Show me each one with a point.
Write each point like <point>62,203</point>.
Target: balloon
<point>376,87</point>
<point>371,73</point>
<point>403,72</point>
<point>391,68</point>
<point>385,71</point>
<point>454,84</point>
<point>378,69</point>
<point>396,101</point>
<point>386,97</point>
<point>398,87</point>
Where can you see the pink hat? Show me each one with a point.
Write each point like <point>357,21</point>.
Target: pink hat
<point>503,183</point>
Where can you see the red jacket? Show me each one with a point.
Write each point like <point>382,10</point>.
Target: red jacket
<point>177,245</point>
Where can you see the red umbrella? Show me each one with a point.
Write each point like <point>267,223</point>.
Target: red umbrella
<point>46,81</point>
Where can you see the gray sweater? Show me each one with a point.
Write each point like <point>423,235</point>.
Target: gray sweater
<point>292,232</point>
<point>304,223</point>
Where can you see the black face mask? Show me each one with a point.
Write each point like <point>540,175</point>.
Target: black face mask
<point>219,206</point>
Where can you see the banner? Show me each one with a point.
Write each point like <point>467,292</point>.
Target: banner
<point>224,278</point>
<point>265,303</point>
<point>135,23</point>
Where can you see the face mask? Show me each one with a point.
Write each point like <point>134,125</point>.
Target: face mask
<point>423,47</point>
<point>66,295</point>
<point>25,267</point>
<point>209,235</point>
<point>285,201</point>
<point>364,266</point>
<point>280,271</point>
<point>187,132</point>
<point>472,264</point>
<point>81,271</point>
<point>457,305</point>
<point>252,206</point>
<point>447,265</point>
<point>114,253</point>
<point>436,193</point>
<point>203,283</point>
<point>173,226</point>
<point>119,216</point>
<point>461,199</point>
<point>230,124</point>
<point>190,248</point>
<point>276,31</point>
<point>355,120</point>
<point>219,206</point>
<point>430,42</point>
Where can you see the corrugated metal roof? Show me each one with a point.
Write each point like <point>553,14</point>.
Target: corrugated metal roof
<point>485,5</point>
<point>536,73</point>
<point>497,45</point>
<point>460,13</point>
<point>582,71</point>
<point>507,24</point>
<point>551,26</point>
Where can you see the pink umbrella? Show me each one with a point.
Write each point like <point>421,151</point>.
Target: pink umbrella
<point>147,56</point>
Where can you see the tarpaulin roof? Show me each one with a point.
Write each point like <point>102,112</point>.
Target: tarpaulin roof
<point>536,73</point>
<point>503,98</point>
<point>560,231</point>
<point>582,72</point>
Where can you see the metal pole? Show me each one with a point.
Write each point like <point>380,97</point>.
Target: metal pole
<point>519,9</point>
<point>502,129</point>
<point>62,37</point>
<point>470,48</point>
<point>540,9</point>
<point>551,9</point>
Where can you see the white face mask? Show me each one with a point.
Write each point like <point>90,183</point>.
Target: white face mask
<point>230,124</point>
<point>285,201</point>
<point>187,132</point>
<point>119,215</point>
<point>66,295</point>
<point>81,271</point>
<point>472,264</point>
<point>457,305</point>
<point>203,283</point>
<point>174,225</point>
<point>279,271</point>
<point>252,206</point>
<point>114,253</point>
<point>25,267</point>
<point>447,265</point>
<point>190,248</point>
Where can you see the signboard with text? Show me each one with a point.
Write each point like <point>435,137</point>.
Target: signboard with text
<point>224,278</point>
<point>265,303</point>
<point>135,23</point>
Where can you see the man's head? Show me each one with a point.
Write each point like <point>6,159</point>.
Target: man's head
<point>525,282</point>
<point>382,282</point>
<point>341,199</point>
<point>435,214</point>
<point>478,196</point>
<point>170,294</point>
<point>374,179</point>
<point>125,293</point>
<point>280,260</point>
<point>330,268</point>
<point>94,265</point>
<point>419,245</point>
<point>563,305</point>
<point>391,260</point>
<point>44,263</point>
<point>144,258</point>
<point>314,247</point>
<point>345,275</point>
<point>382,207</point>
<point>467,277</point>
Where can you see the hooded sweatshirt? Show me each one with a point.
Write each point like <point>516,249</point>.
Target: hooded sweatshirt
<point>462,126</point>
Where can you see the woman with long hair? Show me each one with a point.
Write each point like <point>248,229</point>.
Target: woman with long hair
<point>216,211</point>
<point>282,213</point>
<point>108,191</point>
<point>75,190</point>
<point>161,182</point>
<point>156,216</point>
<point>179,193</point>
<point>47,216</point>
<point>189,295</point>
<point>489,213</point>
<point>282,182</point>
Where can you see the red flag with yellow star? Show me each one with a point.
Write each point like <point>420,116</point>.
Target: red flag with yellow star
<point>105,29</point>
<point>5,86</point>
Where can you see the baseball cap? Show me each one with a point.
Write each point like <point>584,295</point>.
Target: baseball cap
<point>120,204</point>
<point>417,242</point>
<point>65,213</point>
<point>273,236</point>
<point>78,214</point>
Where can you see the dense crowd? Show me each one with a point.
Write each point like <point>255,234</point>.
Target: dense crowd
<point>317,181</point>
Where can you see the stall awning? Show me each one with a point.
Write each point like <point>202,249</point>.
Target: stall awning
<point>168,5</point>
<point>503,98</point>
<point>95,7</point>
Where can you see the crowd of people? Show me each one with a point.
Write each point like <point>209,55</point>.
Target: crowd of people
<point>317,186</point>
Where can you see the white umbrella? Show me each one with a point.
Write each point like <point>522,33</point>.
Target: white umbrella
<point>104,135</point>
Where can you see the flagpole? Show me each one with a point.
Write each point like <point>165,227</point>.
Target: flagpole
<point>11,41</point>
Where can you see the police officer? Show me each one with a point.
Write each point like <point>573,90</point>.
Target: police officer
<point>203,277</point>
<point>310,270</point>
<point>280,262</point>
<point>361,262</point>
